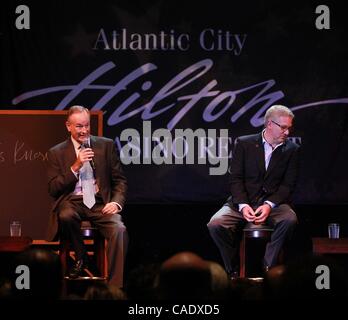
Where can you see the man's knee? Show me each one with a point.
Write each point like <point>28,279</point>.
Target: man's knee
<point>116,231</point>
<point>67,215</point>
<point>290,219</point>
<point>214,223</point>
<point>121,229</point>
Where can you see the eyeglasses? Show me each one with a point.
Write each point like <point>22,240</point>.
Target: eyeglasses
<point>283,128</point>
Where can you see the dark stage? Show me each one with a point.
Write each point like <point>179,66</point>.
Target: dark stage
<point>158,231</point>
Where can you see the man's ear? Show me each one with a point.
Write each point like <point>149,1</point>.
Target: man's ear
<point>67,126</point>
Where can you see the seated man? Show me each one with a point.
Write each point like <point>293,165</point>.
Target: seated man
<point>263,175</point>
<point>86,181</point>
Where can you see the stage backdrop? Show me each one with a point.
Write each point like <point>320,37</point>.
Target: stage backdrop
<point>178,82</point>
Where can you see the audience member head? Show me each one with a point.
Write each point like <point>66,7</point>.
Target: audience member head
<point>141,282</point>
<point>220,281</point>
<point>184,276</point>
<point>102,291</point>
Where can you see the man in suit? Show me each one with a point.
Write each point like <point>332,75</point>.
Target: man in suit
<point>263,173</point>
<point>68,166</point>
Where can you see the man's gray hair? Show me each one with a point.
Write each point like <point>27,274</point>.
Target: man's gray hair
<point>76,109</point>
<point>278,110</point>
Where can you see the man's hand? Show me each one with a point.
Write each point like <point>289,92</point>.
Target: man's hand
<point>262,213</point>
<point>248,213</point>
<point>84,155</point>
<point>110,208</point>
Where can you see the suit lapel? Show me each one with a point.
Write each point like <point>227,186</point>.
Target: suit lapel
<point>276,155</point>
<point>260,154</point>
<point>70,154</point>
<point>96,147</point>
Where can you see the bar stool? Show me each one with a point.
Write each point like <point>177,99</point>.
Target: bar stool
<point>252,231</point>
<point>94,241</point>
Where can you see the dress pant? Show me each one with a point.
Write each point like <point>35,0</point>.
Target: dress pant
<point>72,211</point>
<point>225,226</point>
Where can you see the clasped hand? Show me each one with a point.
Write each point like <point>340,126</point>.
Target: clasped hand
<point>258,216</point>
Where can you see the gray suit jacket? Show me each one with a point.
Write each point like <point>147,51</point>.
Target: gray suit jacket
<point>61,181</point>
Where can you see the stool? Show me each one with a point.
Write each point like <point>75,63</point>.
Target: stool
<point>92,237</point>
<point>252,231</point>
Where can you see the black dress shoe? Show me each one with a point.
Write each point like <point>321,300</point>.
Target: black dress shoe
<point>234,275</point>
<point>266,269</point>
<point>77,270</point>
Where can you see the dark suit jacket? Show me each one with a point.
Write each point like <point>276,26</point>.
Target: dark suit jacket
<point>249,180</point>
<point>61,181</point>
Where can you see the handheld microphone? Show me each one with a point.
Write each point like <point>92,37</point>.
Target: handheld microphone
<point>86,145</point>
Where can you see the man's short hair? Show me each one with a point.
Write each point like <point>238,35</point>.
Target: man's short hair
<point>77,109</point>
<point>278,110</point>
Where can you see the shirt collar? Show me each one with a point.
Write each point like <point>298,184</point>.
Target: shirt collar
<point>78,144</point>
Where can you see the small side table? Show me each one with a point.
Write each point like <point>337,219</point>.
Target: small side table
<point>330,246</point>
<point>14,244</point>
